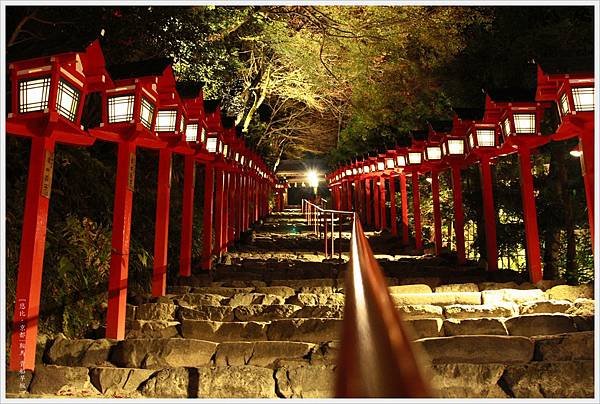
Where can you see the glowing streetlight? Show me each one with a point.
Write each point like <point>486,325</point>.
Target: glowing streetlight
<point>313,180</point>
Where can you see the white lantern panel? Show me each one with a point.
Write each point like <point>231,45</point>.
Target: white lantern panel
<point>354,171</point>
<point>367,169</point>
<point>211,145</point>
<point>486,137</point>
<point>414,157</point>
<point>237,157</point>
<point>242,159</point>
<point>471,140</point>
<point>583,97</point>
<point>165,121</point>
<point>434,152</point>
<point>181,124</point>
<point>348,172</point>
<point>33,94</point>
<point>225,150</point>
<point>456,147</point>
<point>373,167</point>
<point>389,163</point>
<point>120,108</point>
<point>203,135</point>
<point>191,132</point>
<point>506,127</point>
<point>400,161</point>
<point>380,166</point>
<point>147,113</point>
<point>360,170</point>
<point>67,100</point>
<point>524,123</point>
<point>564,104</point>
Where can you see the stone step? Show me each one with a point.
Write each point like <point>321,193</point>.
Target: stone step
<point>459,367</point>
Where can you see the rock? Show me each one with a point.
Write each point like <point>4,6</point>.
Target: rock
<point>305,329</point>
<point>477,349</point>
<point>168,299</point>
<point>311,299</point>
<point>261,353</point>
<point>551,379</point>
<point>547,284</point>
<point>467,380</point>
<point>193,299</point>
<point>565,347</point>
<point>440,299</point>
<point>425,327</point>
<point>497,285</point>
<point>457,287</point>
<point>417,311</point>
<point>283,291</point>
<point>545,306</point>
<point>18,382</point>
<point>474,326</point>
<point>297,284</point>
<point>301,380</point>
<point>240,284</point>
<point>222,291</point>
<point>158,353</point>
<point>571,293</point>
<point>130,312</point>
<point>333,311</point>
<point>119,382</point>
<point>236,382</point>
<point>319,290</point>
<point>584,323</point>
<point>540,324</point>
<point>224,331</point>
<point>325,354</point>
<point>156,311</point>
<point>80,352</point>
<point>403,289</point>
<point>214,313</point>
<point>431,281</point>
<point>179,290</point>
<point>151,329</point>
<point>500,296</point>
<point>481,310</point>
<point>582,307</point>
<point>259,312</point>
<point>246,299</point>
<point>168,383</point>
<point>62,381</point>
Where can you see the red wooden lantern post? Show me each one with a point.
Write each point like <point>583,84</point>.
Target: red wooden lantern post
<point>453,148</point>
<point>401,162</point>
<point>381,191</point>
<point>520,123</point>
<point>128,118</point>
<point>390,165</point>
<point>47,101</point>
<point>573,94</point>
<point>484,145</point>
<point>212,199</point>
<point>367,169</point>
<point>433,156</point>
<point>414,161</point>
<point>195,136</point>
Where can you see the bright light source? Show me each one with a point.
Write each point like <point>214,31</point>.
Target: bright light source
<point>400,161</point>
<point>33,94</point>
<point>583,98</point>
<point>414,157</point>
<point>146,113</point>
<point>433,152</point>
<point>428,179</point>
<point>389,163</point>
<point>486,138</point>
<point>576,153</point>
<point>380,166</point>
<point>524,123</point>
<point>191,132</point>
<point>67,100</point>
<point>120,108</point>
<point>313,178</point>
<point>456,147</point>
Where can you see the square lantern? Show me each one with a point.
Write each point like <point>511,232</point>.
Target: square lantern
<point>454,146</point>
<point>415,157</point>
<point>389,163</point>
<point>522,120</point>
<point>373,167</point>
<point>366,169</point>
<point>191,132</point>
<point>348,172</point>
<point>213,143</point>
<point>166,120</point>
<point>433,152</point>
<point>483,136</point>
<point>120,108</point>
<point>360,170</point>
<point>583,98</point>
<point>57,83</point>
<point>400,160</point>
<point>380,166</point>
<point>354,171</point>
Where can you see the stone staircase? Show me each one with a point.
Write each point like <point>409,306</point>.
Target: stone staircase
<point>269,327</point>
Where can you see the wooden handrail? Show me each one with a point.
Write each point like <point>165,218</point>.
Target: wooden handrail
<point>376,357</point>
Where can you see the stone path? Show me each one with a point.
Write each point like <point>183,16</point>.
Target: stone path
<point>267,325</point>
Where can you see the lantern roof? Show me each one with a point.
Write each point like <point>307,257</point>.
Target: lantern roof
<point>141,68</point>
<point>49,47</point>
<point>440,126</point>
<point>419,134</point>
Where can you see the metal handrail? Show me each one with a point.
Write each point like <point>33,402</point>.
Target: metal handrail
<point>317,216</point>
<point>376,358</point>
